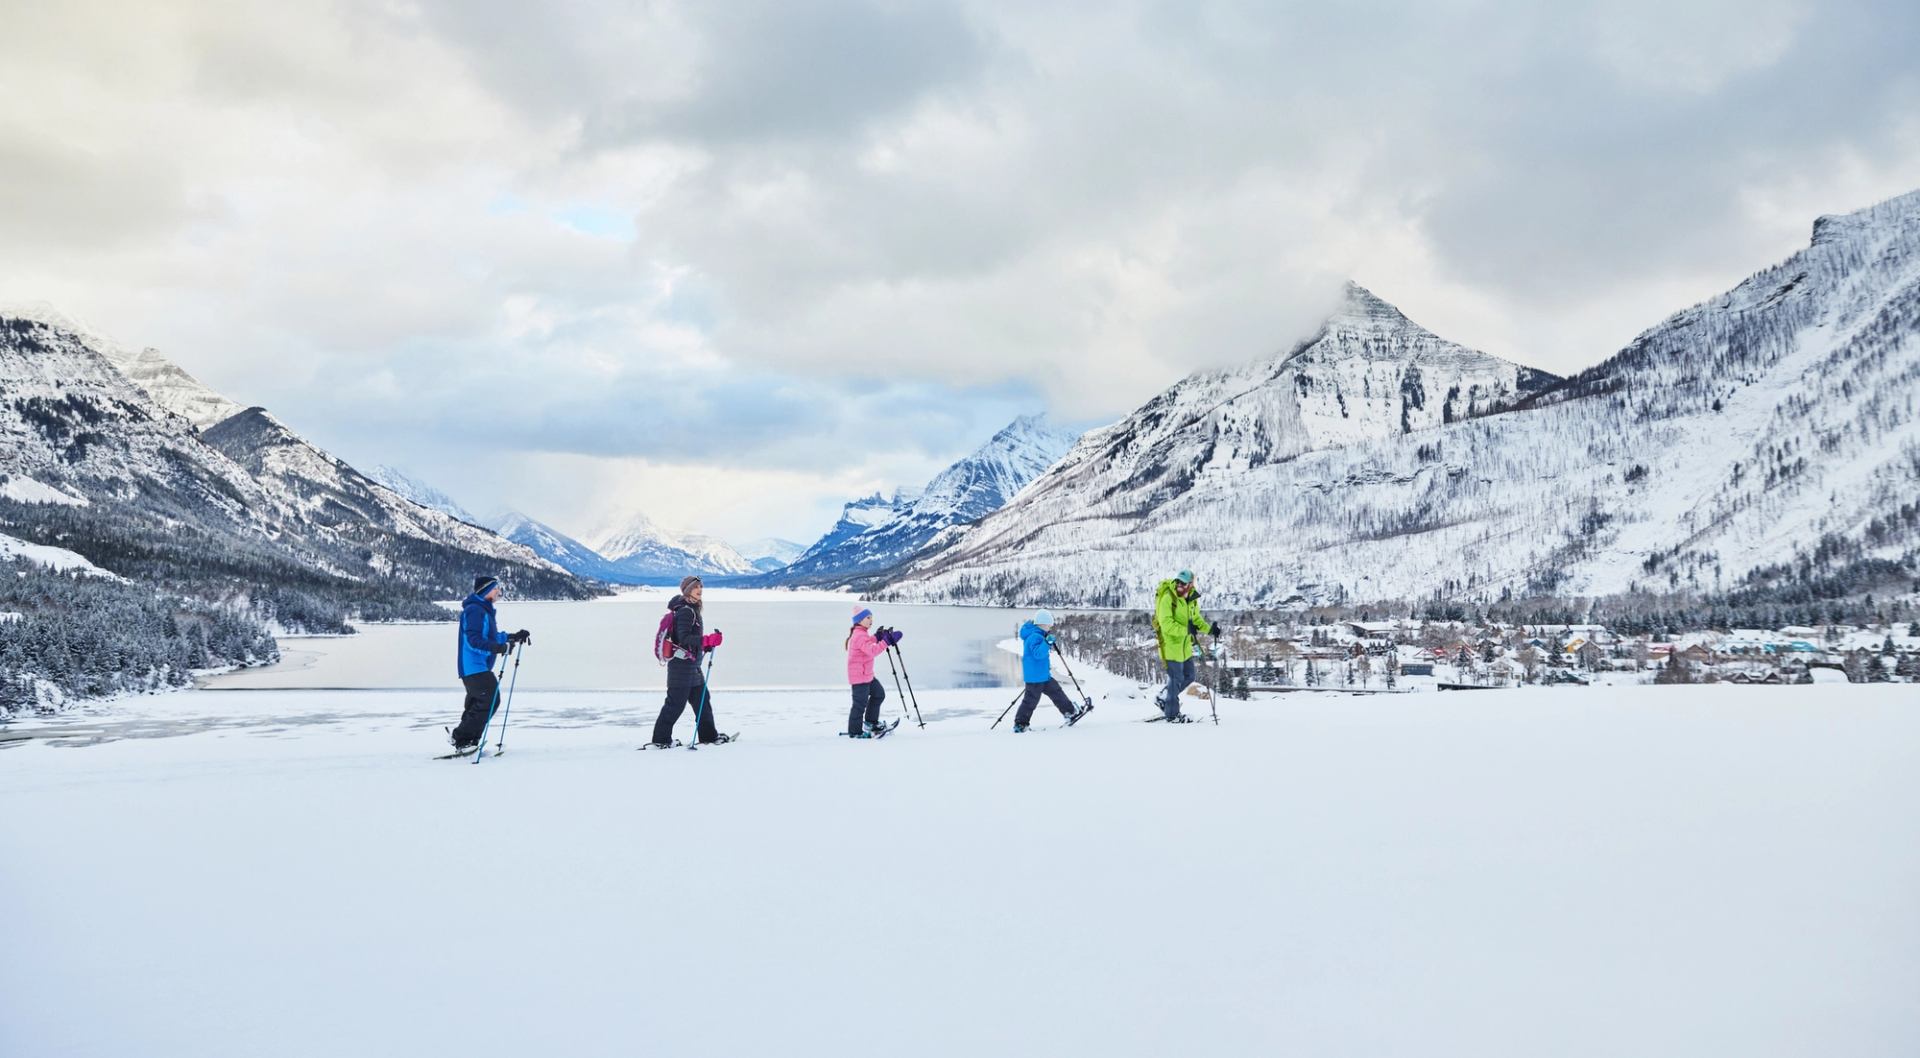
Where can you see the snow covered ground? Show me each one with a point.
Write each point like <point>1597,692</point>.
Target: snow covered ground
<point>51,557</point>
<point>1627,871</point>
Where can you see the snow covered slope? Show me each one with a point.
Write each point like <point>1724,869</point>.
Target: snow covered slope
<point>51,557</point>
<point>1703,872</point>
<point>1201,455</point>
<point>412,488</point>
<point>172,388</point>
<point>72,423</point>
<point>165,382</point>
<point>333,495</point>
<point>1775,424</point>
<point>243,509</point>
<point>644,553</point>
<point>877,533</point>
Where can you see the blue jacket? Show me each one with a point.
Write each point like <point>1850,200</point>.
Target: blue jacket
<point>1036,657</point>
<point>480,637</point>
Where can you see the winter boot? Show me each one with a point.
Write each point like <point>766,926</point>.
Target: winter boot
<point>1019,728</point>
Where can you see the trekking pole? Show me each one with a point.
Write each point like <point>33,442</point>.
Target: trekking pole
<point>896,686</point>
<point>1084,698</point>
<point>706,684</point>
<point>1009,708</point>
<point>491,706</point>
<point>506,711</point>
<point>912,697</point>
<point>1213,692</point>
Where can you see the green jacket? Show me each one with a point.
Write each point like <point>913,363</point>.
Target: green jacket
<point>1171,615</point>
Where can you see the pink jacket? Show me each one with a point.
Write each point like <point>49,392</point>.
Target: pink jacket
<point>861,650</point>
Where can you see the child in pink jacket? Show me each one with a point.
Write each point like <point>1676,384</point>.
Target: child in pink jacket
<point>863,646</point>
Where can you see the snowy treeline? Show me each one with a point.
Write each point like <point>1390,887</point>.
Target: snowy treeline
<point>84,636</point>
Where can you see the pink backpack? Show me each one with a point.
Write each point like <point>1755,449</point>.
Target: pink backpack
<point>664,649</point>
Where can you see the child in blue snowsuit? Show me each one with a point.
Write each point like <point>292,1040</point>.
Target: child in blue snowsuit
<point>1036,668</point>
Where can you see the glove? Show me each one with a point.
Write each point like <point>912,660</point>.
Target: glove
<point>1051,641</point>
<point>1192,629</point>
<point>711,639</point>
<point>522,636</point>
<point>893,637</point>
<point>1219,629</point>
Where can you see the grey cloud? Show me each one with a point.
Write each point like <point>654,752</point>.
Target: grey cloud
<point>993,201</point>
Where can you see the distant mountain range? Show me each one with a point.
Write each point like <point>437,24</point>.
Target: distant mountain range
<point>879,533</point>
<point>1766,437</point>
<point>873,534</point>
<point>770,553</point>
<point>632,551</point>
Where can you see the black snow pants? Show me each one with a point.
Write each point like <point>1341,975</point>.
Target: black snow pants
<point>866,706</point>
<point>1031,698</point>
<point>685,687</point>
<point>483,690</point>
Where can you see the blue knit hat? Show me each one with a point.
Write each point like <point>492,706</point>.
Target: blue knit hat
<point>861,615</point>
<point>1044,619</point>
<point>1185,576</point>
<point>483,585</point>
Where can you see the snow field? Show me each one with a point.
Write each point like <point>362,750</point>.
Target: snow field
<point>1640,870</point>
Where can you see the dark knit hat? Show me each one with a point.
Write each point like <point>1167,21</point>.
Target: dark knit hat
<point>483,585</point>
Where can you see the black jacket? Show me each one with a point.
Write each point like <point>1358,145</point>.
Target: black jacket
<point>688,629</point>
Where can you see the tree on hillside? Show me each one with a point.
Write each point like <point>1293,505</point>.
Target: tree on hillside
<point>1529,659</point>
<point>1855,666</point>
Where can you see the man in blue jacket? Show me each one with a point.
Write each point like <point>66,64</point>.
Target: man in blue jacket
<point>480,642</point>
<point>1036,668</point>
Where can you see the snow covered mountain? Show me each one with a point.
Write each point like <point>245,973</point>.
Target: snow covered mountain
<point>879,533</point>
<point>331,494</point>
<point>242,511</point>
<point>1772,427</point>
<point>420,492</point>
<point>770,552</point>
<point>163,381</point>
<point>642,552</point>
<point>559,548</point>
<point>70,421</point>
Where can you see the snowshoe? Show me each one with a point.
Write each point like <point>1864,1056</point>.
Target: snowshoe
<point>1019,729</point>
<point>1076,716</point>
<point>675,744</point>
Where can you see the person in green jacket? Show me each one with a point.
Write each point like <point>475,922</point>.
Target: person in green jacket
<point>1176,620</point>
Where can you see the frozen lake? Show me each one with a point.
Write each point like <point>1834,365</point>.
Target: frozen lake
<point>774,641</point>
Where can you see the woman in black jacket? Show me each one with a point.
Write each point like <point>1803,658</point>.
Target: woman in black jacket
<point>685,685</point>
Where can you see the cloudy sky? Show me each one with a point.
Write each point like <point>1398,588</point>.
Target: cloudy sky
<point>733,263</point>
